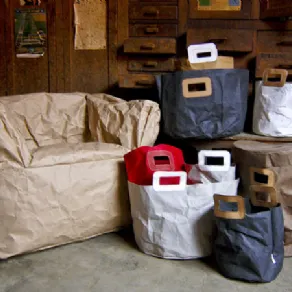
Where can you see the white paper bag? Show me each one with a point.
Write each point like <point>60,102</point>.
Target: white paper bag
<point>273,106</point>
<point>208,173</point>
<point>175,222</point>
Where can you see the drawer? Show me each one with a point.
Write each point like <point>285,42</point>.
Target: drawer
<point>164,30</point>
<point>151,65</point>
<point>140,11</point>
<point>276,8</point>
<point>155,1</point>
<point>199,9</point>
<point>150,45</point>
<point>274,41</point>
<point>137,81</point>
<point>273,60</point>
<point>234,40</point>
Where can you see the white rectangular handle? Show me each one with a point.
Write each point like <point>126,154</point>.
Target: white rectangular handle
<point>197,53</point>
<point>204,154</point>
<point>167,174</point>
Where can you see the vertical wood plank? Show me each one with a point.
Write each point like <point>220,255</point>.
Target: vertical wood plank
<point>183,9</point>
<point>3,79</point>
<point>112,42</point>
<point>85,70</point>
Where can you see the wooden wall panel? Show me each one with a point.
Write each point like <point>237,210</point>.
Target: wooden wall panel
<point>3,79</point>
<point>24,75</point>
<point>85,70</point>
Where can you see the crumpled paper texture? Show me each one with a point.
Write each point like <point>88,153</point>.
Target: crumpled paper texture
<point>178,224</point>
<point>278,158</point>
<point>128,123</point>
<point>272,115</point>
<point>54,188</point>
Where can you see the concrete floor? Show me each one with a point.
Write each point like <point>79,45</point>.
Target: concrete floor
<point>112,263</point>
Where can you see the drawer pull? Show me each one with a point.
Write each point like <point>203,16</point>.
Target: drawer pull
<point>148,47</point>
<point>150,64</point>
<point>288,67</point>
<point>218,41</point>
<point>144,82</point>
<point>285,43</point>
<point>151,12</point>
<point>151,30</point>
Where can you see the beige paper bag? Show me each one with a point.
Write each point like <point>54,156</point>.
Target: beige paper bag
<point>221,63</point>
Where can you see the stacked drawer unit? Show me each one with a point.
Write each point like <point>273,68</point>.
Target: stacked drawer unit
<point>274,50</point>
<point>151,47</point>
<point>231,28</point>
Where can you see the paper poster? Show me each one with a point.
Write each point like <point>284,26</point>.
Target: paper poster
<point>219,5</point>
<point>90,24</point>
<point>30,33</point>
<point>30,2</point>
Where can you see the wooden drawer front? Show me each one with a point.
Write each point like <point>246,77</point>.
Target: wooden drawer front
<point>235,40</point>
<point>155,1</point>
<point>165,30</point>
<point>139,11</point>
<point>137,81</point>
<point>274,41</point>
<point>197,12</point>
<point>150,45</point>
<point>276,8</point>
<point>151,65</point>
<point>273,60</point>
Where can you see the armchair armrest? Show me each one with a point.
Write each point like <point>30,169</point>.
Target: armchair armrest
<point>12,144</point>
<point>66,153</point>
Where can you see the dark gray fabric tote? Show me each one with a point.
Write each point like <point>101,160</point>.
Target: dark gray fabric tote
<point>203,104</point>
<point>249,244</point>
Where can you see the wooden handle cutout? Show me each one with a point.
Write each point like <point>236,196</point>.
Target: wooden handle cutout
<point>150,64</point>
<point>263,196</point>
<point>262,176</point>
<point>148,47</point>
<point>151,30</point>
<point>151,11</point>
<point>274,73</point>
<point>144,82</point>
<point>239,214</point>
<point>197,87</point>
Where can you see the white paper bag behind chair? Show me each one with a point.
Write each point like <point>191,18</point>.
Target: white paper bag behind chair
<point>273,105</point>
<point>175,222</point>
<point>204,172</point>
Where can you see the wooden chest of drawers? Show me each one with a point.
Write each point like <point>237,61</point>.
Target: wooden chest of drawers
<point>151,45</point>
<point>159,31</point>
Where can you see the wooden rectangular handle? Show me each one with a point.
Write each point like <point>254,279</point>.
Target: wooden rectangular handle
<point>256,189</point>
<point>187,93</point>
<point>151,11</point>
<point>239,214</point>
<point>151,30</point>
<point>272,73</point>
<point>147,47</point>
<point>150,64</point>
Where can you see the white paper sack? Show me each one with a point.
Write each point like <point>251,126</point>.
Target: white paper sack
<point>273,110</point>
<point>198,175</point>
<point>176,224</point>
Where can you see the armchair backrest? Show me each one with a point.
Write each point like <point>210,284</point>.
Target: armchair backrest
<point>46,119</point>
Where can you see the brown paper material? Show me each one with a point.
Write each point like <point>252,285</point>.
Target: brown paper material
<point>90,24</point>
<point>277,158</point>
<point>130,124</point>
<point>56,192</point>
<point>220,63</point>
